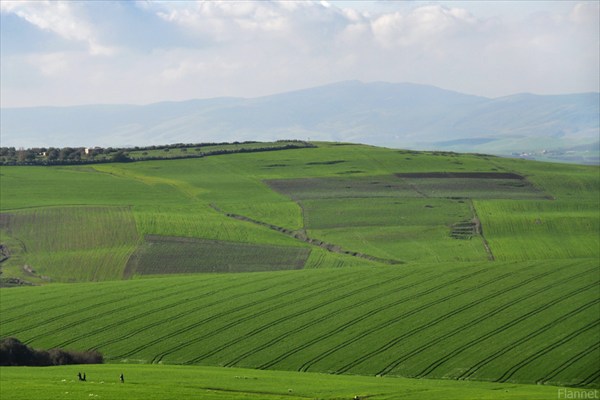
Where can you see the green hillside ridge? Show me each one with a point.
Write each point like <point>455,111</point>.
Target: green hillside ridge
<point>348,199</point>
<point>342,258</point>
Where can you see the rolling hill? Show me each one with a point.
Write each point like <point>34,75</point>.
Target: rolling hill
<point>340,259</point>
<point>400,115</point>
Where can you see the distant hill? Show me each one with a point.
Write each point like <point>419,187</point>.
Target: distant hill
<point>400,115</point>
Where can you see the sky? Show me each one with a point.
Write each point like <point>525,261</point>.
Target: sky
<point>59,53</point>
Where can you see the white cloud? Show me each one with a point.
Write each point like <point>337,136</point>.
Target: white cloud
<point>251,48</point>
<point>58,17</point>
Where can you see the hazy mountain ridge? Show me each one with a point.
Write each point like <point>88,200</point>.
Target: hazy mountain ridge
<point>386,114</point>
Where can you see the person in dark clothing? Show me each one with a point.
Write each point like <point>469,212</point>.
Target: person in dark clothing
<point>122,378</point>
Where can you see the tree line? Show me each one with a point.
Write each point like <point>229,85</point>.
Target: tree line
<point>95,155</point>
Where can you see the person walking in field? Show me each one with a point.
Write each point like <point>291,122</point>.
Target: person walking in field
<point>122,378</point>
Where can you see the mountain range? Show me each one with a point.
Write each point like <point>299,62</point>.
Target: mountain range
<point>398,115</point>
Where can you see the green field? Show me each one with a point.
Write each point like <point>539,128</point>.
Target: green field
<point>144,382</point>
<point>176,255</point>
<point>472,321</point>
<point>339,259</point>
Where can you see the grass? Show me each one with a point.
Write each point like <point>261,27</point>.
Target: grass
<point>447,311</point>
<point>72,243</point>
<point>146,382</point>
<point>475,321</point>
<point>408,185</point>
<point>168,255</point>
<point>407,229</point>
<point>530,230</point>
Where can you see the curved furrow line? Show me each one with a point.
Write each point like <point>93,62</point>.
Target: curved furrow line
<point>118,323</point>
<point>44,310</point>
<point>41,311</point>
<point>277,321</point>
<point>166,307</point>
<point>328,302</point>
<point>60,295</point>
<point>77,311</point>
<point>174,317</point>
<point>307,295</point>
<point>486,316</point>
<point>368,314</point>
<point>407,314</point>
<point>437,363</point>
<point>323,318</point>
<point>92,316</point>
<point>567,364</point>
<point>210,318</point>
<point>436,321</point>
<point>512,370</point>
<point>469,372</point>
<point>396,319</point>
<point>594,376</point>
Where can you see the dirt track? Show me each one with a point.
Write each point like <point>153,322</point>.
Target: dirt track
<point>301,235</point>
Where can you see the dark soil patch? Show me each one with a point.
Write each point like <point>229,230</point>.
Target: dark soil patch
<point>464,230</point>
<point>182,255</point>
<point>276,165</point>
<point>467,175</point>
<point>333,162</point>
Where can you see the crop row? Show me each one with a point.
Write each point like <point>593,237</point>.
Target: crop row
<point>74,243</point>
<point>540,229</point>
<point>164,255</point>
<point>463,308</point>
<point>410,320</point>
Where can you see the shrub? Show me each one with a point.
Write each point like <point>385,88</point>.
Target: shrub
<point>15,353</point>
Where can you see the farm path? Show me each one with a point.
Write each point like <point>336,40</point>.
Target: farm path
<point>479,230</point>
<point>301,235</point>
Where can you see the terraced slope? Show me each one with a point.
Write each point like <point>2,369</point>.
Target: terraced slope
<point>505,322</point>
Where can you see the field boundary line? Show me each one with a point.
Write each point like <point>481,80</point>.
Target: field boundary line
<point>479,228</point>
<point>301,236</point>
